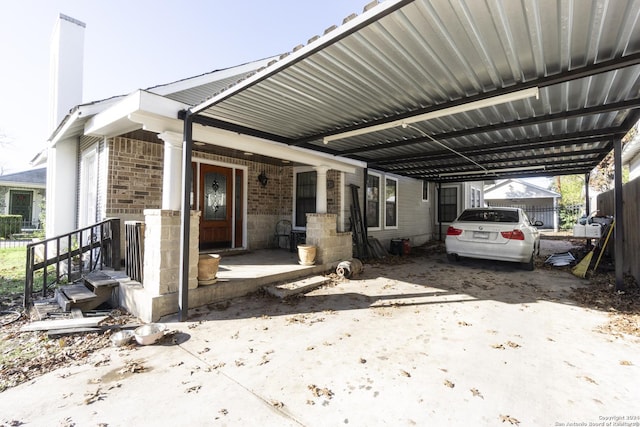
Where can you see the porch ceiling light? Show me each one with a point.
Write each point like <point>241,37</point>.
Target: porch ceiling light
<point>469,106</point>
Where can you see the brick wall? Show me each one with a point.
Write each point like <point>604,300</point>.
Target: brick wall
<point>333,191</point>
<point>135,170</point>
<point>134,177</point>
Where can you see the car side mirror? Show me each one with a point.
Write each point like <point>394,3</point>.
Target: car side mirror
<point>538,224</point>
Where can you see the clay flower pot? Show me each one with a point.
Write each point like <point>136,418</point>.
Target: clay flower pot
<point>307,254</point>
<point>208,269</point>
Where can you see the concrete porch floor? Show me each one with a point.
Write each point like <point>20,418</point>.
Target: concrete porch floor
<point>239,274</point>
<point>270,264</point>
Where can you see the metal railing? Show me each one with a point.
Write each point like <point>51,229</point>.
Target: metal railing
<point>134,249</point>
<point>73,254</point>
<point>17,233</point>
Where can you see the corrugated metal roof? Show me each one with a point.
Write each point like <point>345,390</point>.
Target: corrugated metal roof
<point>405,58</point>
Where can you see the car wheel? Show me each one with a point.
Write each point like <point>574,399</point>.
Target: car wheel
<point>530,265</point>
<point>452,257</point>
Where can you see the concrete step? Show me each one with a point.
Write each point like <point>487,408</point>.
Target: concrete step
<point>98,279</point>
<point>284,290</point>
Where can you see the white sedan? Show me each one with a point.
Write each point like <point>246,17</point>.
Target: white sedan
<point>503,234</point>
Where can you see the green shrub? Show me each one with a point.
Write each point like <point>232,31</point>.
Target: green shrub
<point>10,224</point>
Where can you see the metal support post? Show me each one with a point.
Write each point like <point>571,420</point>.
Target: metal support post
<point>619,217</point>
<point>185,218</point>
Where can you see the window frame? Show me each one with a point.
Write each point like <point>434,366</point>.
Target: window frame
<point>440,204</point>
<point>379,204</point>
<point>296,171</point>
<point>425,191</point>
<point>385,210</point>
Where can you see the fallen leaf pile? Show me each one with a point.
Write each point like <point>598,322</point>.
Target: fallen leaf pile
<point>623,307</point>
<point>27,355</point>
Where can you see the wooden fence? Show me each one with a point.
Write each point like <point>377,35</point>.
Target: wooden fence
<point>631,219</point>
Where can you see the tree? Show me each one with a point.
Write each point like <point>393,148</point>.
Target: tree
<point>601,178</point>
<point>4,143</point>
<point>572,195</point>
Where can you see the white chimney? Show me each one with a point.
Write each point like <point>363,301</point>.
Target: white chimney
<point>67,54</point>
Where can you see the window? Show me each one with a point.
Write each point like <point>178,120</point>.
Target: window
<point>305,197</point>
<point>448,204</point>
<point>391,203</point>
<point>373,201</point>
<point>20,203</point>
<point>425,191</point>
<point>88,188</point>
<point>475,198</point>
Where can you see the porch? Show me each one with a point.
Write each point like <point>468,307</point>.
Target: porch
<point>239,273</point>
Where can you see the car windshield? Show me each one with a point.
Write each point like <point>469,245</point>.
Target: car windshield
<point>489,215</point>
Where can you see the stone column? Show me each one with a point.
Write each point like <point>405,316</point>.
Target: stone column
<point>172,170</point>
<point>331,246</point>
<point>321,189</point>
<point>162,251</point>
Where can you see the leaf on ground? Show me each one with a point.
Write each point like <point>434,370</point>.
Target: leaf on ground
<point>90,398</point>
<point>133,367</point>
<point>449,384</point>
<point>513,344</point>
<point>498,346</point>
<point>277,404</point>
<point>476,393</point>
<point>626,363</point>
<point>320,392</point>
<point>193,389</point>
<point>509,419</point>
<point>404,373</point>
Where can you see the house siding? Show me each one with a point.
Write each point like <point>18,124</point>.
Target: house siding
<point>415,216</point>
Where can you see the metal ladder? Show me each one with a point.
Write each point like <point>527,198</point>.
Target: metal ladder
<point>357,226</point>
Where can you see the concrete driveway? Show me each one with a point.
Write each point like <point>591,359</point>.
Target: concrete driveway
<point>420,342</point>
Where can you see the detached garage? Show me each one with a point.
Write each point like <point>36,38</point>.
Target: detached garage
<point>539,203</point>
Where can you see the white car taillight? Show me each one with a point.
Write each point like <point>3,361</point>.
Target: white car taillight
<point>513,235</point>
<point>452,231</point>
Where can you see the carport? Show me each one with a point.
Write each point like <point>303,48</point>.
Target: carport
<point>448,91</point>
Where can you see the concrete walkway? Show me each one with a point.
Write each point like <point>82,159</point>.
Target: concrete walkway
<point>418,343</point>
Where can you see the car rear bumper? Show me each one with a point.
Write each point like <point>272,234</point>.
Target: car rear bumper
<point>498,252</point>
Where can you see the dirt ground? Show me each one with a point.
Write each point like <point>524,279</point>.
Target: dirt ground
<point>410,341</point>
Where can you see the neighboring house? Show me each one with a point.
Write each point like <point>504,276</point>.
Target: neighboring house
<point>539,203</point>
<point>22,193</point>
<point>631,157</point>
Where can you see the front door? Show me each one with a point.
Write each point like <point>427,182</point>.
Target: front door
<point>216,206</point>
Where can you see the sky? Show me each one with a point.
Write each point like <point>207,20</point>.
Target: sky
<point>136,44</point>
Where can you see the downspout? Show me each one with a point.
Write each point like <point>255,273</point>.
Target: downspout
<point>185,218</point>
<point>587,200</point>
<point>618,216</point>
<point>439,211</point>
<point>365,223</point>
